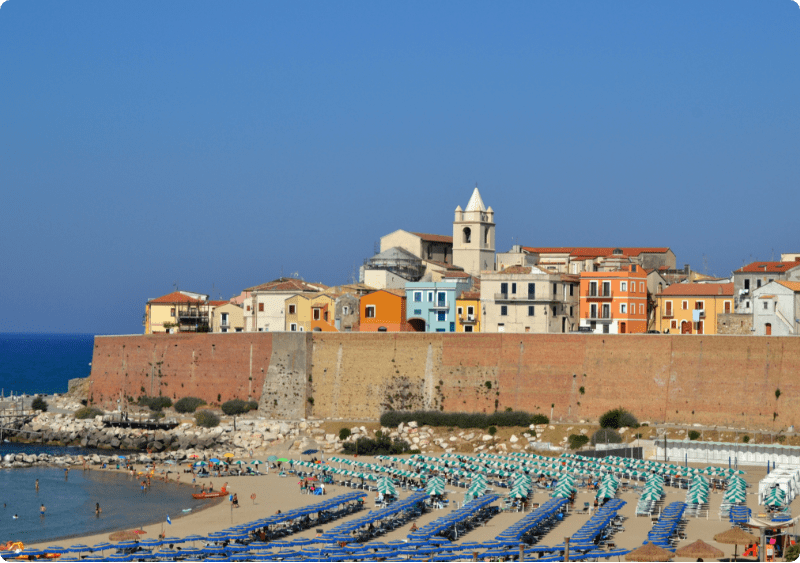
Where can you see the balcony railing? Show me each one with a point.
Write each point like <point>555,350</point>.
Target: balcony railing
<point>440,305</point>
<point>598,316</point>
<point>519,297</point>
<point>599,293</point>
<point>468,319</point>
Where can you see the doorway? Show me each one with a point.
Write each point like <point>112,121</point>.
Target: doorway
<point>686,327</point>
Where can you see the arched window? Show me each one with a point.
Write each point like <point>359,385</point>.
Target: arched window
<point>486,236</point>
<point>467,235</point>
<point>382,329</point>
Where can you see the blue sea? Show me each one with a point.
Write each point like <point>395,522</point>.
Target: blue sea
<point>43,363</point>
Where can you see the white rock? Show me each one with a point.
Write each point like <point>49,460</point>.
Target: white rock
<point>412,424</point>
<point>513,439</point>
<point>486,437</point>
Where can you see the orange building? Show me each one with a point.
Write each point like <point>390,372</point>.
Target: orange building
<point>384,311</point>
<point>615,302</point>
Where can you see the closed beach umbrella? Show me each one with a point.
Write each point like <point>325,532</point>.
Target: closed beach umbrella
<point>649,552</point>
<point>699,549</point>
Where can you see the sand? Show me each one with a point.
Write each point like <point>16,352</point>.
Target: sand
<point>273,493</point>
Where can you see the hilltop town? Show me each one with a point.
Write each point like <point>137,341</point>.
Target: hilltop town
<point>421,282</point>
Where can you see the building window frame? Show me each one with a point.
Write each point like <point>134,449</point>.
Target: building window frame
<point>417,297</point>
<point>369,311</point>
<point>503,310</point>
<point>623,286</point>
<point>292,309</point>
<point>531,310</point>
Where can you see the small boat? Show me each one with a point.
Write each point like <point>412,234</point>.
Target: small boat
<point>215,494</point>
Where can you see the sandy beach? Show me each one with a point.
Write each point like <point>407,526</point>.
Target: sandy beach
<point>273,493</point>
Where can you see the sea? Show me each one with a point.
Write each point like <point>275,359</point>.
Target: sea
<point>44,364</point>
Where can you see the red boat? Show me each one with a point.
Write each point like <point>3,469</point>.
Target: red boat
<point>215,494</point>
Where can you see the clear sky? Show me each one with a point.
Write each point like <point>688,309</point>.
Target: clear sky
<point>217,145</point>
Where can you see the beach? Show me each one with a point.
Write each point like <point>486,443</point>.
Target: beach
<point>273,493</point>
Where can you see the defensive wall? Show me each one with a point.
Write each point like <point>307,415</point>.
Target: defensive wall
<point>709,380</point>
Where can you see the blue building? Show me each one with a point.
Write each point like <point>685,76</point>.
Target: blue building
<point>431,306</point>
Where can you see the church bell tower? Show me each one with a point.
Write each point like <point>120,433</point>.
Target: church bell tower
<point>473,236</point>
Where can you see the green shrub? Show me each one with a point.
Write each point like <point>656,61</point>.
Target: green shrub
<point>618,418</point>
<point>88,412</point>
<point>206,419</point>
<point>606,436</point>
<point>39,404</point>
<point>745,438</point>
<point>392,419</point>
<point>694,434</point>
<point>577,441</point>
<point>235,406</point>
<point>492,430</point>
<point>188,404</point>
<point>154,403</point>
<point>344,434</point>
<point>792,553</point>
<point>381,445</point>
<point>252,405</point>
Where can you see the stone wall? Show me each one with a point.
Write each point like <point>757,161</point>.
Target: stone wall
<point>732,323</point>
<point>711,380</point>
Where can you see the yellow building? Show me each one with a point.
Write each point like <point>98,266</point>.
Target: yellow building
<point>314,311</point>
<point>468,311</point>
<point>693,308</point>
<point>180,311</point>
<point>298,313</point>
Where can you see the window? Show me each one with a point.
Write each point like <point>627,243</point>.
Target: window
<point>514,288</point>
<point>316,313</point>
<point>606,289</point>
<point>467,235</point>
<point>531,310</point>
<point>470,310</point>
<point>623,286</point>
<point>369,312</point>
<point>555,289</point>
<point>674,324</point>
<point>441,316</point>
<point>460,311</point>
<point>592,289</point>
<point>430,297</point>
<point>248,307</point>
<point>504,288</point>
<point>700,305</point>
<point>727,307</point>
<point>593,311</point>
<point>633,287</point>
<point>346,310</point>
<point>668,308</point>
<point>325,316</point>
<point>641,309</point>
<point>381,329</point>
<point>684,305</point>
<point>571,289</point>
<point>486,236</point>
<point>554,310</point>
<point>292,309</point>
<point>417,296</point>
<point>293,327</point>
<point>531,289</point>
<point>468,328</point>
<point>172,311</point>
<point>766,305</point>
<point>623,308</point>
<point>758,283</point>
<point>641,287</point>
<point>633,268</point>
<point>570,311</point>
<point>260,307</point>
<point>503,310</point>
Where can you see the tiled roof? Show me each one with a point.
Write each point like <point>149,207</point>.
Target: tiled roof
<point>516,270</point>
<point>794,286</point>
<point>393,291</point>
<point>175,297</point>
<point>445,265</point>
<point>771,267</point>
<point>473,295</point>
<point>456,274</point>
<point>595,252</point>
<point>287,284</point>
<point>218,303</point>
<point>434,238</point>
<point>699,289</point>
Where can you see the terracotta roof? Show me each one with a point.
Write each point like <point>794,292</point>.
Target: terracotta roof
<point>594,252</point>
<point>434,238</point>
<point>287,284</point>
<point>456,274</point>
<point>218,303</point>
<point>516,270</point>
<point>472,295</point>
<point>699,289</point>
<point>794,286</point>
<point>445,265</point>
<point>175,297</point>
<point>393,291</point>
<point>570,278</point>
<point>772,267</point>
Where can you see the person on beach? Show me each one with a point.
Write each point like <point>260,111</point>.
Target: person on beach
<point>210,487</point>
<point>235,501</point>
<point>37,485</point>
<point>97,510</point>
<point>42,509</point>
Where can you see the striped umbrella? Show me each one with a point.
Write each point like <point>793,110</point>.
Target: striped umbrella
<point>386,487</point>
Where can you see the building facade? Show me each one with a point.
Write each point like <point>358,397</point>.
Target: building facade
<point>227,318</point>
<point>468,311</point>
<point>614,302</point>
<point>693,308</point>
<point>776,310</point>
<point>528,299</point>
<point>431,306</point>
<point>265,307</point>
<point>179,311</point>
<point>757,274</point>
<point>383,311</point>
<point>473,236</point>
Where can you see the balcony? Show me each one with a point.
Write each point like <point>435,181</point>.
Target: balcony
<point>440,305</point>
<point>467,319</point>
<point>600,316</point>
<point>598,293</point>
<point>520,297</point>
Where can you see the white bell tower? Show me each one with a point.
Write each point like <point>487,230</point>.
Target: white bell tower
<point>473,236</point>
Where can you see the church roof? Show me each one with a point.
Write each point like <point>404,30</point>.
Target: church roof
<point>395,253</point>
<point>475,202</point>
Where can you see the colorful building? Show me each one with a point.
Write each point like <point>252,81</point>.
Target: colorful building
<point>614,302</point>
<point>383,311</point>
<point>693,308</point>
<point>431,306</point>
<point>179,311</point>
<point>468,311</point>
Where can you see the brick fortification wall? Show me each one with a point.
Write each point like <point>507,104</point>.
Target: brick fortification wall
<point>214,367</point>
<point>711,380</point>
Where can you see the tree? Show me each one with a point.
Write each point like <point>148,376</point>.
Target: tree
<point>39,404</point>
<point>188,404</point>
<point>235,406</point>
<point>206,419</point>
<point>618,418</point>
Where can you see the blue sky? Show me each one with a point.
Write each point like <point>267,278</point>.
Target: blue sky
<point>218,145</point>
